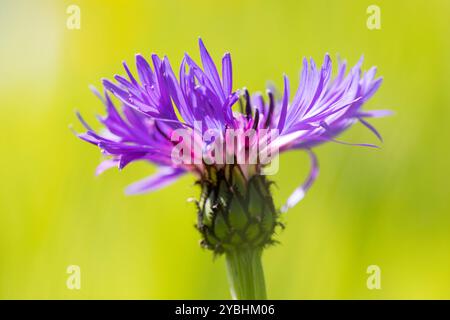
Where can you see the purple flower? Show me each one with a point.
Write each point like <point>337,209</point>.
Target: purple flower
<point>157,103</point>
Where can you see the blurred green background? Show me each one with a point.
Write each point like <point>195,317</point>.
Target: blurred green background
<point>387,207</point>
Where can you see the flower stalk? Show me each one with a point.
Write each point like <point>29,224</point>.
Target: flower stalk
<point>237,218</point>
<point>246,274</point>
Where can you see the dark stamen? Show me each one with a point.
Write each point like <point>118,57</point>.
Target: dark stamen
<point>248,106</point>
<point>256,120</point>
<point>271,108</point>
<point>241,105</point>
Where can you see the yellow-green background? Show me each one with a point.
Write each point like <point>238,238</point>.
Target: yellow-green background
<point>388,207</point>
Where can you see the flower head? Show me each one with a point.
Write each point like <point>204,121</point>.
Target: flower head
<point>236,206</point>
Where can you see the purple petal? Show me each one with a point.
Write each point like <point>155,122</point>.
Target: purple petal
<point>371,128</point>
<point>211,70</point>
<point>176,92</point>
<point>162,178</point>
<point>227,74</point>
<point>284,104</point>
<point>105,165</point>
<point>300,192</point>
<point>322,81</point>
<point>97,93</point>
<point>83,122</point>
<point>374,113</point>
<point>374,87</point>
<point>144,70</point>
<point>130,75</point>
<point>116,90</point>
<point>328,139</point>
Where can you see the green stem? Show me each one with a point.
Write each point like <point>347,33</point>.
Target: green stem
<point>245,274</point>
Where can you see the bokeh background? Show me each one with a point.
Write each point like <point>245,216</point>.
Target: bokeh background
<point>387,207</point>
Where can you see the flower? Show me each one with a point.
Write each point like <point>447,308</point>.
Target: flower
<point>187,124</point>
<point>236,207</point>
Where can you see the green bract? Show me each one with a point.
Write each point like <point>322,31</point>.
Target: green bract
<point>235,212</point>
